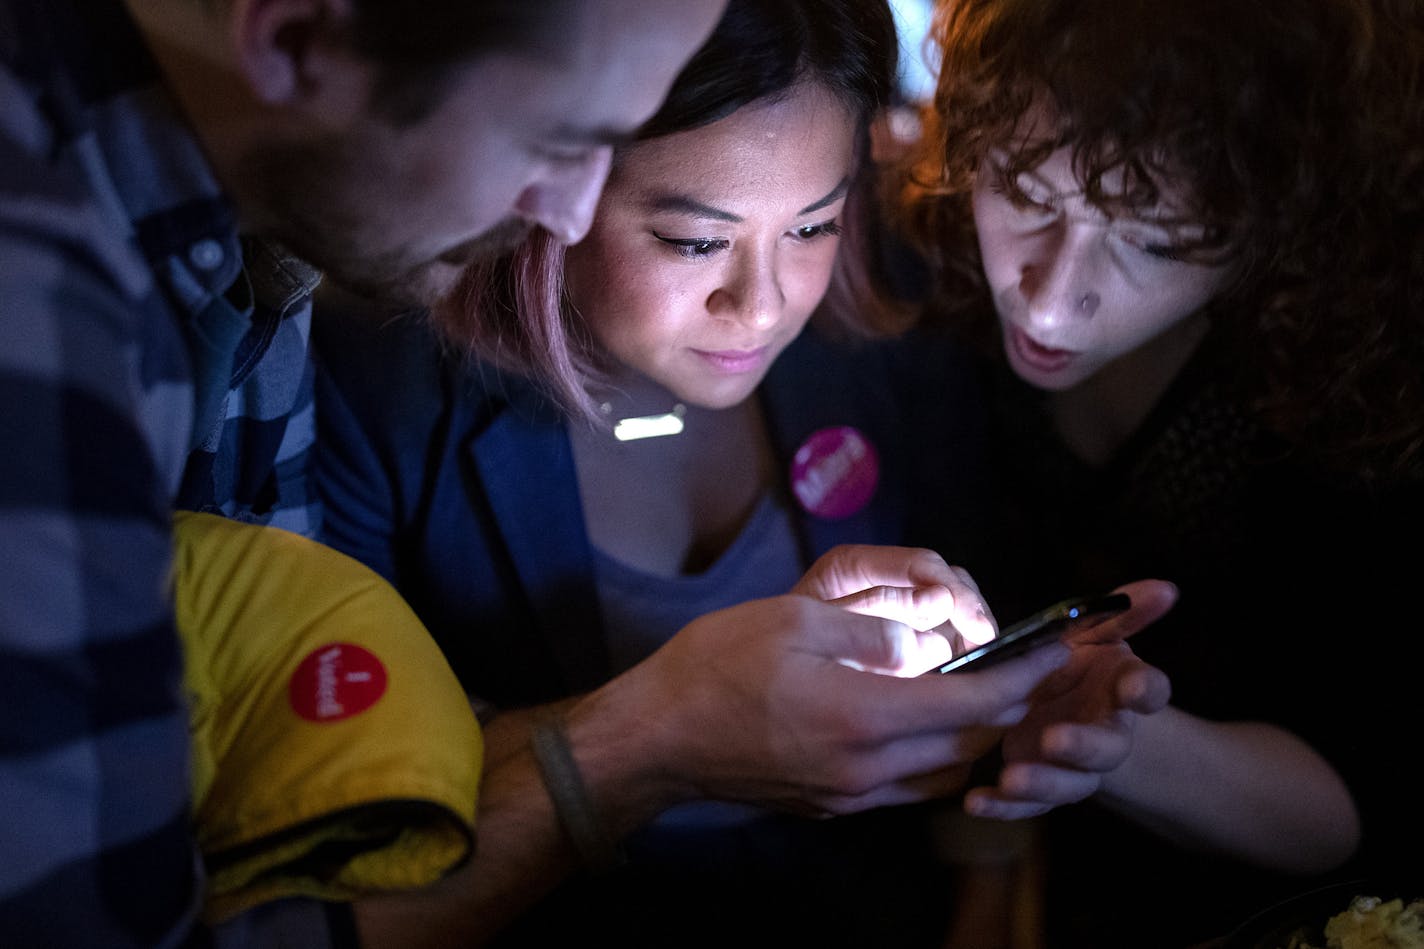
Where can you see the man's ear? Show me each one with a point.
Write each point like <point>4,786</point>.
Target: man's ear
<point>291,50</point>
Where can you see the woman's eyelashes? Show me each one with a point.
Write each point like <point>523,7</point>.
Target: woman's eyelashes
<point>1025,192</point>
<point>696,248</point>
<point>1165,252</point>
<point>1163,245</point>
<point>1026,207</point>
<point>811,232</point>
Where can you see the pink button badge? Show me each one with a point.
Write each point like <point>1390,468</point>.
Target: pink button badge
<point>834,472</point>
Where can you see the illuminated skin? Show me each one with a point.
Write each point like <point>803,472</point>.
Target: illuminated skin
<point>711,247</point>
<point>1076,289</point>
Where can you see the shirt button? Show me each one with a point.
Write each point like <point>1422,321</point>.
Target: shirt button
<point>206,254</point>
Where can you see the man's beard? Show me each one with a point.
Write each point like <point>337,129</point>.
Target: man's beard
<point>319,223</point>
<point>393,281</point>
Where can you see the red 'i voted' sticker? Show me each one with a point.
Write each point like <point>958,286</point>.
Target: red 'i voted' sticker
<point>336,681</point>
<point>834,472</point>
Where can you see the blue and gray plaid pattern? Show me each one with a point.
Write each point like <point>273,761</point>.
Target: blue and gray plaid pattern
<point>122,282</point>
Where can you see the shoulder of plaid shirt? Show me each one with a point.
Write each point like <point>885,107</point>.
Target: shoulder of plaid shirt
<point>115,243</point>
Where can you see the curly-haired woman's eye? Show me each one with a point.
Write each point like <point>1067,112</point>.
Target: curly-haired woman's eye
<point>1022,201</point>
<point>1166,252</point>
<point>1152,240</point>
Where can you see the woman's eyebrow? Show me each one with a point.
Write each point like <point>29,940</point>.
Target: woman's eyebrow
<point>834,195</point>
<point>684,204</point>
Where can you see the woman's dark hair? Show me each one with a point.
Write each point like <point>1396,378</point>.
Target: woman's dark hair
<point>762,48</point>
<point>1295,127</point>
<point>513,311</point>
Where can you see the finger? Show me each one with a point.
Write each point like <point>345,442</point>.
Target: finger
<point>1006,681</point>
<point>954,620</point>
<point>989,804</point>
<point>915,762</point>
<point>930,651</point>
<point>928,703</point>
<point>1096,748</point>
<point>900,769</point>
<point>1046,784</point>
<point>913,585</point>
<point>849,568</point>
<point>970,614</point>
<point>1144,689</point>
<point>924,608</point>
<point>913,790</point>
<point>965,609</point>
<point>931,786</point>
<point>1029,789</point>
<point>916,654</point>
<point>1151,600</point>
<point>887,646</point>
<point>867,640</point>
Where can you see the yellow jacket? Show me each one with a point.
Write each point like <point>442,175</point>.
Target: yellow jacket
<point>334,751</point>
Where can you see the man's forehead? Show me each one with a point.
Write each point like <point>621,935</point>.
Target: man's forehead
<point>598,77</point>
<point>550,97</point>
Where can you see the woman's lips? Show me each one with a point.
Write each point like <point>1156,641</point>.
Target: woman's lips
<point>1040,357</point>
<point>734,361</point>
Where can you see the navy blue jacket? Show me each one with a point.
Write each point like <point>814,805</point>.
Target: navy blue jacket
<point>457,483</point>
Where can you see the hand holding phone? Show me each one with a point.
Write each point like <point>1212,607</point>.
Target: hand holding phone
<point>1042,627</point>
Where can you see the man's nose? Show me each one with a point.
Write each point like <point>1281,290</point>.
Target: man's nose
<point>563,203</point>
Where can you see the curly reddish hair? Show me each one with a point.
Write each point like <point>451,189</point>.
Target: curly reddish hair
<point>1296,126</point>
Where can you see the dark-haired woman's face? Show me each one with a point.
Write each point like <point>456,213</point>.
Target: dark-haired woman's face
<point>711,247</point>
<point>1076,287</point>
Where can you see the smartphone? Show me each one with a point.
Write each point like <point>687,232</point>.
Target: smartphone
<point>1044,626</point>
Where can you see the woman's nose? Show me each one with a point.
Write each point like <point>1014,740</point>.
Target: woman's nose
<point>1058,282</point>
<point>753,296</point>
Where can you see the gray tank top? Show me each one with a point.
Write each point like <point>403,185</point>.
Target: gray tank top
<point>641,611</point>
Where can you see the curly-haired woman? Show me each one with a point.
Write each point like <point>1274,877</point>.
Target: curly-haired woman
<point>1194,231</point>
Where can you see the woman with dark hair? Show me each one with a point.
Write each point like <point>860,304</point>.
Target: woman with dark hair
<point>1190,234</point>
<point>616,442</point>
<point>514,313</point>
